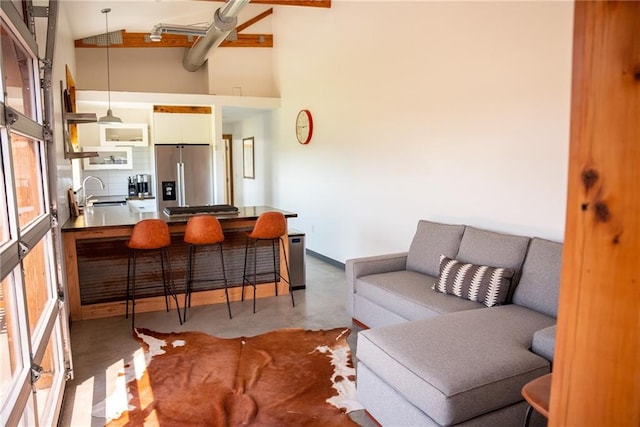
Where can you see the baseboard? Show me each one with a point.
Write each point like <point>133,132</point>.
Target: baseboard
<point>326,259</point>
<point>359,323</point>
<point>372,418</point>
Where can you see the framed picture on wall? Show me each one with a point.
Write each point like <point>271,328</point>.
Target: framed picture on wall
<point>248,158</point>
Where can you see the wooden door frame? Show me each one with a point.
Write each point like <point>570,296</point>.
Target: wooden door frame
<point>596,375</point>
<point>228,166</point>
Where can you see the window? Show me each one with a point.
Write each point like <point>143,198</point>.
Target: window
<point>27,165</point>
<point>18,75</point>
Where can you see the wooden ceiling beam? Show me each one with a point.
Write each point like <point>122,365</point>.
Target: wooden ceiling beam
<point>303,3</point>
<point>178,40</point>
<point>253,20</point>
<point>250,40</point>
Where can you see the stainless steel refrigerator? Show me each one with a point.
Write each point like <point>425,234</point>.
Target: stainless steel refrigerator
<point>183,175</point>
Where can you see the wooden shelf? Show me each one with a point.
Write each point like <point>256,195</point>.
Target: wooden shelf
<point>70,120</point>
<point>82,155</point>
<point>80,117</point>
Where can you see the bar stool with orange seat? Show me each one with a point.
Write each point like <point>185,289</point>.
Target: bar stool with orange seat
<point>270,226</point>
<point>537,394</point>
<point>203,231</point>
<point>149,236</point>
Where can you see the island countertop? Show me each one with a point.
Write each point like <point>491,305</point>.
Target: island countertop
<point>96,260</point>
<point>122,216</point>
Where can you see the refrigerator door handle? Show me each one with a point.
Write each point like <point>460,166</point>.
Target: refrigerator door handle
<point>180,183</point>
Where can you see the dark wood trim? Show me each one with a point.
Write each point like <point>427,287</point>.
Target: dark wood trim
<point>303,3</point>
<point>359,323</point>
<point>130,40</point>
<point>325,259</point>
<point>181,109</point>
<point>253,20</point>
<point>229,137</point>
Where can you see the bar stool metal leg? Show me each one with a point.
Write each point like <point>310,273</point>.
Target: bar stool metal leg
<point>131,286</point>
<point>133,292</point>
<point>255,272</point>
<point>245,277</point>
<point>275,271</point>
<point>126,315</point>
<point>224,276</point>
<point>527,417</point>
<point>171,286</point>
<point>164,280</point>
<point>244,271</point>
<point>191,249</point>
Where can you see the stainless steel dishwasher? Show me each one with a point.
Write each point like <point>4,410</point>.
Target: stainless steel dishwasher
<point>297,267</point>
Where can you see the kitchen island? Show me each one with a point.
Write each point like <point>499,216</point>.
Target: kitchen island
<point>96,262</point>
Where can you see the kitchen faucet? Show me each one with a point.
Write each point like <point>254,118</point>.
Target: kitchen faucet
<point>84,191</point>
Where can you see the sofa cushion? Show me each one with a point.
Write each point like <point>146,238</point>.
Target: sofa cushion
<point>460,365</point>
<point>481,283</point>
<point>409,295</point>
<point>540,282</point>
<point>431,240</point>
<point>495,249</point>
<point>544,342</point>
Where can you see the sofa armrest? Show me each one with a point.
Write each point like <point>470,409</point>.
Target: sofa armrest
<point>359,267</point>
<point>544,342</point>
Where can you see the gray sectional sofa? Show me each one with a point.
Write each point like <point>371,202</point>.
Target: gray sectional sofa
<point>430,358</point>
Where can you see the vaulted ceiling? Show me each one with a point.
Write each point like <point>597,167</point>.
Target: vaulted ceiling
<point>135,19</point>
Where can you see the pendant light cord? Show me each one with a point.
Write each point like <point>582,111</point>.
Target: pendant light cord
<point>106,18</point>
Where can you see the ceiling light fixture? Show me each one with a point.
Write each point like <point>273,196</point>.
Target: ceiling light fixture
<point>109,118</point>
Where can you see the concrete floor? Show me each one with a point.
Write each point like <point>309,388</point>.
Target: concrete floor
<point>101,347</point>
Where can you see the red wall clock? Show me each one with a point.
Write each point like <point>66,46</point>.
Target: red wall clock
<point>304,126</point>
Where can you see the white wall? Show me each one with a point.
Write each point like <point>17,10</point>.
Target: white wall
<point>258,191</point>
<point>450,111</point>
<point>63,55</point>
<point>241,71</point>
<point>138,70</point>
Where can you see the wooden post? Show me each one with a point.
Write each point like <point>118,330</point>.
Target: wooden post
<point>596,379</point>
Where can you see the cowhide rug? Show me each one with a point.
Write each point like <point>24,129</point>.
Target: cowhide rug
<point>288,377</point>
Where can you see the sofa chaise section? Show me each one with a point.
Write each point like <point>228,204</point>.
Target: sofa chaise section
<point>455,367</point>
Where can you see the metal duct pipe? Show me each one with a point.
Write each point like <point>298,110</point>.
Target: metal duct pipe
<point>187,30</point>
<point>224,21</point>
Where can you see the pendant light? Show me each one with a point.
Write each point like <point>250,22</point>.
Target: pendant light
<point>109,118</point>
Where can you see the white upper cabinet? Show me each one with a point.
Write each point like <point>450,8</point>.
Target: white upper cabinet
<point>128,134</point>
<point>182,128</point>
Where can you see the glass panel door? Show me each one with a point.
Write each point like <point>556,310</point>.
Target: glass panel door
<point>32,319</point>
<point>11,355</point>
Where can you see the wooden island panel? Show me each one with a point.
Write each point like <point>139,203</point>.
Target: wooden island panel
<point>96,266</point>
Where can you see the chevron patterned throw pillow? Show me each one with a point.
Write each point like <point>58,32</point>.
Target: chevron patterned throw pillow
<point>481,283</point>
